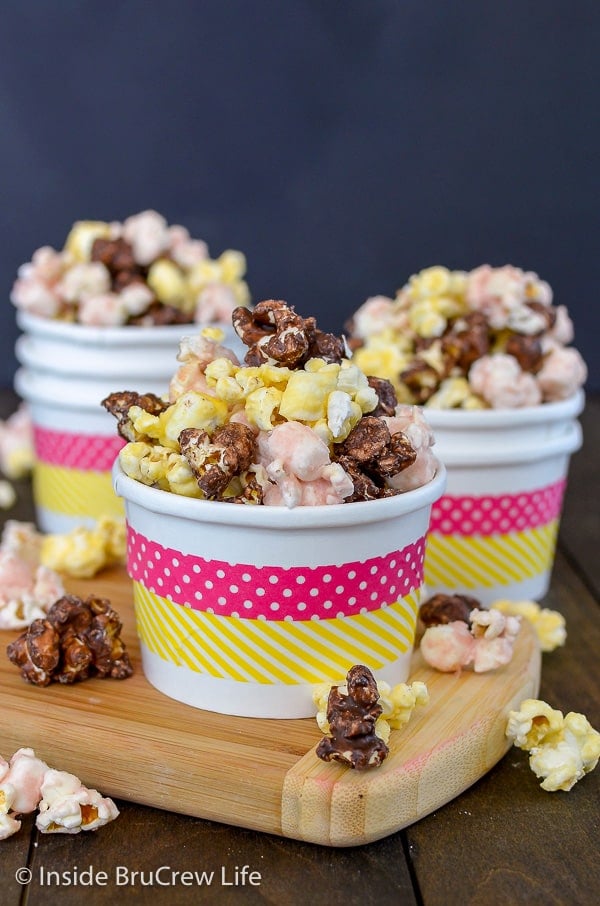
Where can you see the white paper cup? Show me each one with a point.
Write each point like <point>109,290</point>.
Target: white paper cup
<point>493,533</point>
<point>67,369</point>
<point>242,609</point>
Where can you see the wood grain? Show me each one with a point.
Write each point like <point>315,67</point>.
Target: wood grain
<point>132,742</point>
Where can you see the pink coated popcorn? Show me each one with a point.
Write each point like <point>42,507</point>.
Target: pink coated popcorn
<point>215,303</point>
<point>195,354</point>
<point>102,311</point>
<point>185,251</point>
<point>562,372</point>
<point>297,462</point>
<point>487,644</point>
<point>23,780</point>
<point>148,235</point>
<point>498,292</point>
<point>27,589</point>
<point>84,280</point>
<point>373,316</point>
<point>410,421</point>
<point>35,291</point>
<point>500,381</point>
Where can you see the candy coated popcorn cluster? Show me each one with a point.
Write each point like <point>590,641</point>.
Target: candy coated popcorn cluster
<point>549,624</point>
<point>142,271</point>
<point>298,424</point>
<point>562,748</point>
<point>490,338</point>
<point>65,805</point>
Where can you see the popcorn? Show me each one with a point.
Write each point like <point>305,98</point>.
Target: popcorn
<point>16,444</point>
<point>459,635</point>
<point>83,552</point>
<point>490,338</point>
<point>562,749</point>
<point>8,495</point>
<point>27,588</point>
<point>306,406</point>
<point>142,271</point>
<point>76,640</point>
<point>549,625</point>
<point>65,805</point>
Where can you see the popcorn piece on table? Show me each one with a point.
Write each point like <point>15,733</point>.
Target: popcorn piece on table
<point>65,805</point>
<point>352,718</point>
<point>77,640</point>
<point>485,639</point>
<point>16,444</point>
<point>27,588</point>
<point>8,495</point>
<point>83,552</point>
<point>397,705</point>
<point>549,625</point>
<point>562,749</point>
<point>68,807</point>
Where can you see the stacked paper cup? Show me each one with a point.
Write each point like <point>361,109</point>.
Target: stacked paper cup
<point>493,534</point>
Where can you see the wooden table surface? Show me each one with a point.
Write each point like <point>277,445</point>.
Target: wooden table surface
<point>503,841</point>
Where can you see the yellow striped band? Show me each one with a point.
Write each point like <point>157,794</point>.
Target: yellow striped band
<point>75,492</point>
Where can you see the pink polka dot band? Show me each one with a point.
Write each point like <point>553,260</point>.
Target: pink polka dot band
<point>490,515</point>
<point>272,592</point>
<point>88,452</point>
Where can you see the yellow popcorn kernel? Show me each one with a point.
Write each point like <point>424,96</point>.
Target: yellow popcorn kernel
<point>207,271</point>
<point>130,457</point>
<point>167,282</point>
<point>305,396</point>
<point>454,393</point>
<point>147,425</point>
<point>315,364</point>
<point>83,234</point>
<point>232,265</point>
<point>399,702</point>
<point>18,462</point>
<point>153,468</point>
<point>434,356</point>
<point>382,729</point>
<point>228,390</point>
<point>535,722</point>
<point>343,414</point>
<point>248,379</point>
<point>262,406</point>
<point>433,281</point>
<point>219,368</point>
<point>114,536</point>
<point>78,553</point>
<point>180,477</point>
<point>549,625</point>
<point>458,287</point>
<point>271,375</point>
<point>216,334</point>
<point>366,398</point>
<point>426,319</point>
<point>193,410</point>
<point>382,359</point>
<point>322,429</point>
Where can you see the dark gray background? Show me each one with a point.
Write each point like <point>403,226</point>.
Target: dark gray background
<point>342,145</point>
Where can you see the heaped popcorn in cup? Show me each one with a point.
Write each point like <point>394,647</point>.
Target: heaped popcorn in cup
<point>489,338</point>
<point>142,271</point>
<point>297,424</point>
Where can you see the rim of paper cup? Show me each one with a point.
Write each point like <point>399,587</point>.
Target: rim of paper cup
<point>505,418</point>
<point>127,334</point>
<point>165,503</point>
<point>567,442</point>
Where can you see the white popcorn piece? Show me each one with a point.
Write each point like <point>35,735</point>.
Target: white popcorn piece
<point>21,784</point>
<point>562,749</point>
<point>16,443</point>
<point>67,807</point>
<point>8,495</point>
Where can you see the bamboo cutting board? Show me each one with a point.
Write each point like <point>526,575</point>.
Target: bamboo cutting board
<point>132,742</point>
